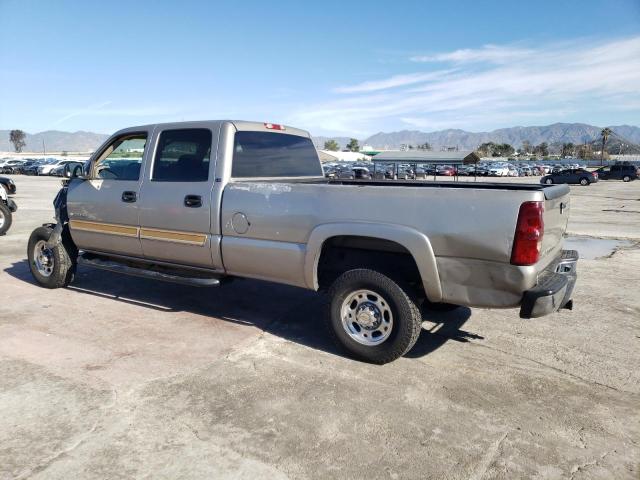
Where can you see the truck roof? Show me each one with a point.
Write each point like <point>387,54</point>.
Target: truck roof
<point>240,125</point>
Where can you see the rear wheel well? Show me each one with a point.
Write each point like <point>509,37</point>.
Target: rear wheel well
<point>347,252</point>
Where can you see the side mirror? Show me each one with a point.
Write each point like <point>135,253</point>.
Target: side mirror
<point>72,171</point>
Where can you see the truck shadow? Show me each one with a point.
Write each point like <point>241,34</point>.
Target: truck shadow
<point>291,313</point>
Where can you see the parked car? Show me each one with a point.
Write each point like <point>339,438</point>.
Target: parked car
<point>499,171</point>
<point>26,165</point>
<point>12,166</point>
<point>571,175</point>
<point>8,185</point>
<point>263,209</point>
<point>526,171</point>
<point>626,173</point>
<point>31,168</point>
<point>446,170</point>
<point>7,207</point>
<point>46,167</point>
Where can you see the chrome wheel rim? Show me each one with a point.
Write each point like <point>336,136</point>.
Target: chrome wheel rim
<point>2,220</point>
<point>43,259</point>
<point>366,317</point>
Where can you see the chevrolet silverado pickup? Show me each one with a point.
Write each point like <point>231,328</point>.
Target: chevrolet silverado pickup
<point>203,202</point>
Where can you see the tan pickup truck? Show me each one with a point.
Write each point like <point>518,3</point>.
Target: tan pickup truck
<point>203,202</point>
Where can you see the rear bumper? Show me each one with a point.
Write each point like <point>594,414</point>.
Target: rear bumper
<point>554,288</point>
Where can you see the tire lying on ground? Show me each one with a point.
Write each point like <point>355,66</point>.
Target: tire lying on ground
<point>372,317</point>
<point>6,218</point>
<point>51,267</point>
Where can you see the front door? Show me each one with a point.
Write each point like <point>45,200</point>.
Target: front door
<point>175,198</point>
<point>103,209</point>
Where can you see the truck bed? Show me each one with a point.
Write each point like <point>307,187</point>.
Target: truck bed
<point>550,191</point>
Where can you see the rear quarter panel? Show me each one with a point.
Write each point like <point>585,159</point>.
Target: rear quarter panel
<point>466,228</point>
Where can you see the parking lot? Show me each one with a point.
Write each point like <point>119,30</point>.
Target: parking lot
<point>119,377</point>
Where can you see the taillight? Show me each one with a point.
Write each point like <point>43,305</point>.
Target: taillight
<point>529,232</point>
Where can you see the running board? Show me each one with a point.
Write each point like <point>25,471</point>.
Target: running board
<point>117,267</point>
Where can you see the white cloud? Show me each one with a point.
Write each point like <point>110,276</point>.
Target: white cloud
<point>508,83</point>
<point>488,53</point>
<point>101,110</point>
<point>395,81</point>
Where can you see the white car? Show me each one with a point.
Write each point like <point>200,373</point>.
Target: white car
<point>499,171</point>
<point>47,168</point>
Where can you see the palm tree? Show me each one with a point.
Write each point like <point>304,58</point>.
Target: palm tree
<point>605,135</point>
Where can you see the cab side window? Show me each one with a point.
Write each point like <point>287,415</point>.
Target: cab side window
<point>122,159</point>
<point>183,156</point>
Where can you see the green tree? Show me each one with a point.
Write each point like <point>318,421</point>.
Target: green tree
<point>526,147</point>
<point>353,146</point>
<point>542,149</point>
<point>17,138</point>
<point>605,136</point>
<point>331,145</point>
<point>568,150</point>
<point>424,146</point>
<point>486,149</point>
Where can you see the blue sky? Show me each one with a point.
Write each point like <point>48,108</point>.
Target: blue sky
<point>334,68</point>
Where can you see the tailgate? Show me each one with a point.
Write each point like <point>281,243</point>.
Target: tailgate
<point>556,216</point>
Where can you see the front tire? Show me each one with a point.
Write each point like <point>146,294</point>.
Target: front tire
<point>626,178</point>
<point>372,317</point>
<point>549,181</point>
<point>51,267</point>
<point>5,218</point>
<point>584,182</point>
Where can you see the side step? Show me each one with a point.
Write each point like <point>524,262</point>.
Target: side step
<point>117,267</point>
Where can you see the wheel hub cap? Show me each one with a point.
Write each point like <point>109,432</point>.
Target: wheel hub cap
<point>366,317</point>
<point>43,258</point>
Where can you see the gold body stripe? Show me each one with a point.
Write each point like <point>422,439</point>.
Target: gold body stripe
<point>198,239</point>
<point>108,228</point>
<point>173,236</point>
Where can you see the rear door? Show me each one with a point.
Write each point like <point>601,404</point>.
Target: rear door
<point>103,210</point>
<point>175,198</point>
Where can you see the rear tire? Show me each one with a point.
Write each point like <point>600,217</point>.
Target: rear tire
<point>6,218</point>
<point>51,267</point>
<point>372,317</point>
<point>626,178</point>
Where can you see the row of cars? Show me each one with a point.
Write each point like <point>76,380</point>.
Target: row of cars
<point>422,171</point>
<point>582,176</point>
<point>32,166</point>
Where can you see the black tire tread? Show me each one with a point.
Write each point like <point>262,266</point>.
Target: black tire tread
<point>8,218</point>
<point>404,340</point>
<point>64,264</point>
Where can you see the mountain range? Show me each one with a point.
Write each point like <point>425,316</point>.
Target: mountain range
<point>554,135</point>
<point>55,141</point>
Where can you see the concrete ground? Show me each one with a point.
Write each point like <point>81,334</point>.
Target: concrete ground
<point>119,377</point>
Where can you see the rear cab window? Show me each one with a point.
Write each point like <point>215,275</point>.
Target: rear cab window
<point>269,154</point>
<point>182,156</point>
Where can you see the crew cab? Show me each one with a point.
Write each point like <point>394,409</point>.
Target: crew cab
<point>204,202</point>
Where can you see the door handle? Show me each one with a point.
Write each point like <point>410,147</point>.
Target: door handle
<point>129,197</point>
<point>193,201</point>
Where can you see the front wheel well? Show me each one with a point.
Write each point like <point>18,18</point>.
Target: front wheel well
<point>347,252</point>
